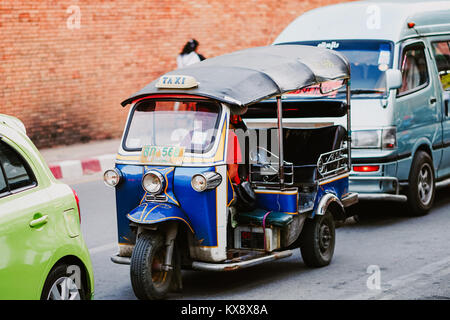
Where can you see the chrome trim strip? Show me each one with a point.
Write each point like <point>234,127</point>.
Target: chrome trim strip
<point>373,178</point>
<point>383,196</point>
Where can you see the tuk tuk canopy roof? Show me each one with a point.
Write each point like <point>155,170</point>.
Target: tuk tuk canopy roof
<point>251,75</point>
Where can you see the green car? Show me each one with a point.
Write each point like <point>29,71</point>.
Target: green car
<point>42,251</point>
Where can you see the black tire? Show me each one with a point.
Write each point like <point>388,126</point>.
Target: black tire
<point>421,185</point>
<point>318,239</point>
<point>62,275</point>
<point>149,282</point>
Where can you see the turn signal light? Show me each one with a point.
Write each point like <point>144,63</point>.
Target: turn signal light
<point>366,168</point>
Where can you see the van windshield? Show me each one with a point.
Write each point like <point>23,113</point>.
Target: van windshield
<point>191,125</point>
<point>369,59</point>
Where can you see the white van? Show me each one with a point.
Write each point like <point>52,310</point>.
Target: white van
<point>400,79</point>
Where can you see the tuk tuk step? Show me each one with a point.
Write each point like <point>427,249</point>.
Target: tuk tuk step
<point>231,266</point>
<point>120,260</point>
<point>256,217</point>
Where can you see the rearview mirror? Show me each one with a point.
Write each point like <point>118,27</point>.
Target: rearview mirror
<point>393,79</point>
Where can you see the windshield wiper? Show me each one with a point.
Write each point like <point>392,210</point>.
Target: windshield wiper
<point>366,91</point>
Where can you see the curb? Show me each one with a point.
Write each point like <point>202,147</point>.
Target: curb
<point>77,168</point>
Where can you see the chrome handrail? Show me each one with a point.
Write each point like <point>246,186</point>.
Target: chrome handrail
<point>327,159</point>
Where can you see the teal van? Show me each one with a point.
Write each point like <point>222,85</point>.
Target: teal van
<point>400,70</point>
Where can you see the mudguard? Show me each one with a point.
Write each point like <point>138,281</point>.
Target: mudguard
<point>330,200</point>
<point>153,212</point>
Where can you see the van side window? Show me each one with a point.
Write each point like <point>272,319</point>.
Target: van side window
<point>414,69</point>
<point>3,185</point>
<point>441,51</point>
<point>16,171</point>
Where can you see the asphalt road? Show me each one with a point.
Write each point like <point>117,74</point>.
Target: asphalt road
<point>385,255</point>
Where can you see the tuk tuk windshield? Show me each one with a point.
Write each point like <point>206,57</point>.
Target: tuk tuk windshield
<point>189,124</point>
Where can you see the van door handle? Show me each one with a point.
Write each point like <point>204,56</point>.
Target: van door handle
<point>433,100</point>
<point>39,221</point>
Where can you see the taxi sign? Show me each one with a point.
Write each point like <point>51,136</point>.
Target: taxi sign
<point>162,155</point>
<point>177,82</point>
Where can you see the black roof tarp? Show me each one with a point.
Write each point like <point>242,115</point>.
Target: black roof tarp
<point>248,76</point>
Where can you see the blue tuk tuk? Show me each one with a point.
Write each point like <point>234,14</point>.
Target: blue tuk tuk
<point>197,188</point>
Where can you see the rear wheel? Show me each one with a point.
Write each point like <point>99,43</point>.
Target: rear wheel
<point>421,190</point>
<point>150,281</point>
<point>318,240</point>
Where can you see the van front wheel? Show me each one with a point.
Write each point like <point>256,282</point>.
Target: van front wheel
<point>421,190</point>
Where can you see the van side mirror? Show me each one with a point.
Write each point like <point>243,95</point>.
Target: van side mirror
<point>393,79</point>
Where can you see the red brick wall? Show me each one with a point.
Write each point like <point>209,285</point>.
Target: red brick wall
<point>66,84</point>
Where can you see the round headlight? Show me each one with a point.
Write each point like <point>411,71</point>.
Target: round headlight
<point>206,181</point>
<point>198,183</point>
<point>153,182</point>
<point>111,177</point>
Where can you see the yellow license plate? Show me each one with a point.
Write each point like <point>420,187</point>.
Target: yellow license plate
<point>162,155</point>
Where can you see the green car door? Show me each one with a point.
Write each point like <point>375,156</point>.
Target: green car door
<point>23,227</point>
<point>39,225</point>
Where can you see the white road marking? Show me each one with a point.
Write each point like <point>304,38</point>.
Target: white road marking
<point>98,176</point>
<point>436,269</point>
<point>105,247</point>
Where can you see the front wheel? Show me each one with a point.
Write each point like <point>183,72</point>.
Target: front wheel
<point>318,240</point>
<point>421,190</point>
<point>150,281</point>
